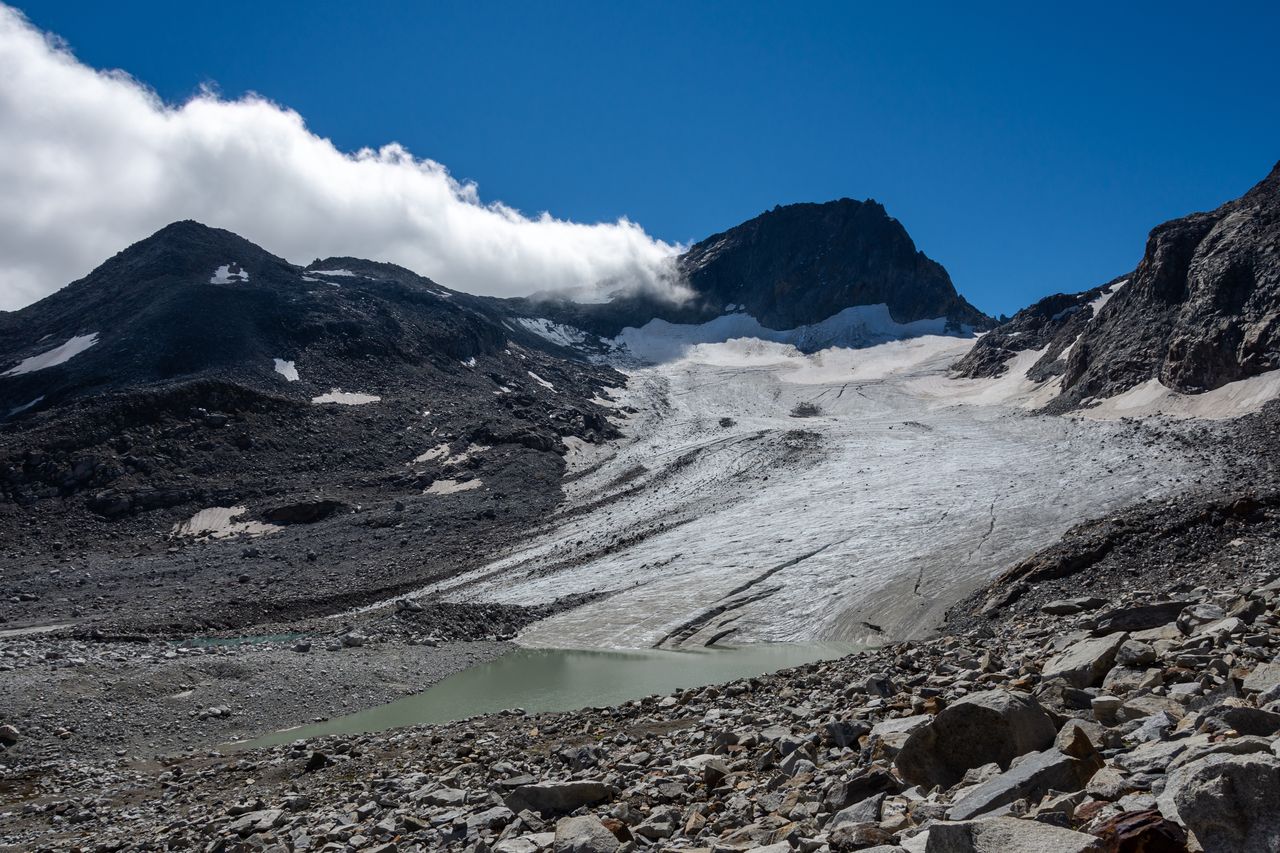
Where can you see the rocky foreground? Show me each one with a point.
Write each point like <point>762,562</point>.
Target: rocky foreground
<point>1143,722</point>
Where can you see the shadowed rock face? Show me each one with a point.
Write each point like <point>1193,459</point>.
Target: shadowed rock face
<point>788,267</point>
<point>802,263</point>
<point>1201,310</point>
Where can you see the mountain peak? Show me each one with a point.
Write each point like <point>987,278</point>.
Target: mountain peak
<point>800,263</point>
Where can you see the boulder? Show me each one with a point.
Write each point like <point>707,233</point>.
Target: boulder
<point>1086,663</point>
<point>867,811</point>
<point>857,836</point>
<point>1142,832</point>
<point>1197,615</point>
<point>585,834</point>
<point>1228,802</point>
<point>888,736</point>
<point>1123,679</point>
<point>844,733</point>
<point>1135,653</point>
<point>302,512</point>
<point>1006,835</point>
<point>1245,719</point>
<point>1071,606</point>
<point>1030,779</point>
<point>1068,738</point>
<point>995,726</point>
<point>252,823</point>
<point>1264,677</point>
<point>558,797</point>
<point>843,793</point>
<point>1139,617</point>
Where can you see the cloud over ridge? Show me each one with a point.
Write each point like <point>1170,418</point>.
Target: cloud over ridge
<point>93,161</point>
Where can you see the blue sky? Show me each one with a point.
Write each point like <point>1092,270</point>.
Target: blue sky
<point>1027,149</point>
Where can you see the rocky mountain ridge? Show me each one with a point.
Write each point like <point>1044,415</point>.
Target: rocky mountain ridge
<point>1200,311</point>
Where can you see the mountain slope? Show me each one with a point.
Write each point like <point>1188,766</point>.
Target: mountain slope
<point>1201,310</point>
<point>367,427</point>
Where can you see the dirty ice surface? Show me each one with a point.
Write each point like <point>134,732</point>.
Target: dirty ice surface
<point>51,358</point>
<point>219,522</point>
<point>544,383</point>
<point>719,517</point>
<point>557,333</point>
<point>449,487</point>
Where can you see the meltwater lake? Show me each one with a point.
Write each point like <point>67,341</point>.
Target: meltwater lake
<point>564,680</point>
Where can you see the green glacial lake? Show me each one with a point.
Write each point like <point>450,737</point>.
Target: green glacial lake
<point>564,680</point>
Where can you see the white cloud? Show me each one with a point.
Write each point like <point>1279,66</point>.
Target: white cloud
<point>93,161</point>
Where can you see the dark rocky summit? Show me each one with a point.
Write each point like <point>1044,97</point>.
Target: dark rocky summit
<point>792,266</point>
<point>799,264</point>
<point>1202,309</point>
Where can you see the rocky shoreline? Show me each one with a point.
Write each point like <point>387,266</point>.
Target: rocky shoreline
<point>1143,720</point>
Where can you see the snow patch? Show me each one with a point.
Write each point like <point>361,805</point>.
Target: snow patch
<point>544,383</point>
<point>17,410</point>
<point>1106,295</point>
<point>1152,397</point>
<point>346,398</point>
<point>438,452</point>
<point>340,273</point>
<point>556,333</point>
<point>449,487</point>
<point>219,522</point>
<point>58,355</point>
<point>859,326</point>
<point>286,369</point>
<point>229,274</point>
<point>470,362</point>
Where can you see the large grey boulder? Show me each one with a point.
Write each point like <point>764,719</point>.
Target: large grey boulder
<point>1244,719</point>
<point>1032,778</point>
<point>255,822</point>
<point>1139,617</point>
<point>1264,677</point>
<point>888,736</point>
<point>867,811</point>
<point>995,726</point>
<point>558,797</point>
<point>1085,663</point>
<point>1230,802</point>
<point>1006,835</point>
<point>585,834</point>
